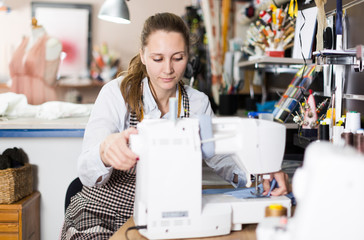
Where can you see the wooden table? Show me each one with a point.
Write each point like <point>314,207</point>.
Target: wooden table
<point>248,233</point>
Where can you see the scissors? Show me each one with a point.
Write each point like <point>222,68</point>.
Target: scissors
<point>273,185</point>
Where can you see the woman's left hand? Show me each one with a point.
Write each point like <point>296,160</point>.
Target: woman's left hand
<point>282,181</point>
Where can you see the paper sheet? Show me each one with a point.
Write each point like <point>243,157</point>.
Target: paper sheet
<point>307,33</point>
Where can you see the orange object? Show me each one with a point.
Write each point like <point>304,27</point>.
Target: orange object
<point>225,25</point>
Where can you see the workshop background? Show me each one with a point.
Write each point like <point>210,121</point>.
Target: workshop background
<point>230,73</point>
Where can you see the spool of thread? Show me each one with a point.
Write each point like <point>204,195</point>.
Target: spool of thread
<point>329,122</point>
<point>352,121</point>
<point>275,210</point>
<point>336,135</point>
<point>280,114</point>
<point>324,131</point>
<point>348,137</point>
<point>361,145</point>
<point>358,140</point>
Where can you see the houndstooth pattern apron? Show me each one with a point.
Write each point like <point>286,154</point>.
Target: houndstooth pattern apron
<point>97,212</point>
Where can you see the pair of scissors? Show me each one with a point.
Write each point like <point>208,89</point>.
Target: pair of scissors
<point>273,185</point>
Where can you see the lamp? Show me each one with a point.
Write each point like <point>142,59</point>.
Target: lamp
<point>115,11</point>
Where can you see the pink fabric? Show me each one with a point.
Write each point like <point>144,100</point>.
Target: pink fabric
<point>28,70</point>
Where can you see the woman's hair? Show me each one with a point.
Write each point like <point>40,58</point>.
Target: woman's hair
<point>131,84</point>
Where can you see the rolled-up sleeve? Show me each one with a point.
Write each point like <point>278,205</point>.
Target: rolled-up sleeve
<point>106,118</point>
<point>223,165</point>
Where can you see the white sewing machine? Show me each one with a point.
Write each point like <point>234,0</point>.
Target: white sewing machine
<point>329,190</point>
<point>169,200</point>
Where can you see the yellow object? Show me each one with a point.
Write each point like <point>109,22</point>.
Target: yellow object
<point>274,14</point>
<point>275,207</point>
<point>275,210</point>
<point>35,23</point>
<point>330,115</point>
<point>293,8</point>
<point>225,25</point>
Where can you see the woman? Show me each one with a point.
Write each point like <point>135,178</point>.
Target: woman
<point>106,165</point>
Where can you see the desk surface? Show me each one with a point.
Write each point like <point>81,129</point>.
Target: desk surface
<point>36,123</point>
<point>248,233</point>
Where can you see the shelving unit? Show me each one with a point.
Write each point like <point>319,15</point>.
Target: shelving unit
<point>78,90</point>
<point>334,57</point>
<point>274,64</point>
<point>79,83</point>
<point>277,66</point>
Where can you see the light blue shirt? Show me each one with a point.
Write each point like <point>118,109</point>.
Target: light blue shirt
<point>110,115</point>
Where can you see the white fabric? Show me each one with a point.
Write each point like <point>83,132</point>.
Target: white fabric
<point>55,109</point>
<point>109,115</point>
<point>14,105</point>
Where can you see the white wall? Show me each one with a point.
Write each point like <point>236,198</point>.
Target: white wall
<point>54,162</point>
<point>121,38</point>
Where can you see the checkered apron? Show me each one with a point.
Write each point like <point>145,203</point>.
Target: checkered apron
<point>97,212</point>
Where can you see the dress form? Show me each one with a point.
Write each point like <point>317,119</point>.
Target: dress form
<point>34,66</point>
<point>53,45</point>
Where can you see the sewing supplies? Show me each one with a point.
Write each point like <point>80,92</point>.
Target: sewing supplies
<point>336,134</point>
<point>310,114</point>
<point>347,135</point>
<point>293,95</point>
<point>293,8</point>
<point>324,131</point>
<point>352,121</point>
<point>358,140</point>
<point>271,34</point>
<point>105,63</point>
<point>275,210</point>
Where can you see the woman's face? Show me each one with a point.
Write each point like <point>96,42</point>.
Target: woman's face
<point>165,57</point>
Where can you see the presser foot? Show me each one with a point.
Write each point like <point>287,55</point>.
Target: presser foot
<point>256,192</point>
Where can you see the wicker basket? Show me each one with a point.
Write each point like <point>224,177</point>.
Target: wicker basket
<point>15,183</point>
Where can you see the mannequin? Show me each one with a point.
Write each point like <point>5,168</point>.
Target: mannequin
<point>53,45</point>
<point>34,66</point>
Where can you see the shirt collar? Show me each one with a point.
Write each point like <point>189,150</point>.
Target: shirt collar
<point>150,106</point>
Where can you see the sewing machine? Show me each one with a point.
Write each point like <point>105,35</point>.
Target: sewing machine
<point>329,190</point>
<point>169,200</point>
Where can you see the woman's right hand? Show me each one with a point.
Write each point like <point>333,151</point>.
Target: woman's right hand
<point>115,151</point>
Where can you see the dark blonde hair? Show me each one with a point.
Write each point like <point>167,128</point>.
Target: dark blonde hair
<point>131,84</point>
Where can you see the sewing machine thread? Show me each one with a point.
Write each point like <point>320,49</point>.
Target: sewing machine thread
<point>275,210</point>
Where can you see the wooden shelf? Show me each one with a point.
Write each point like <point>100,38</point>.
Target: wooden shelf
<point>79,83</point>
